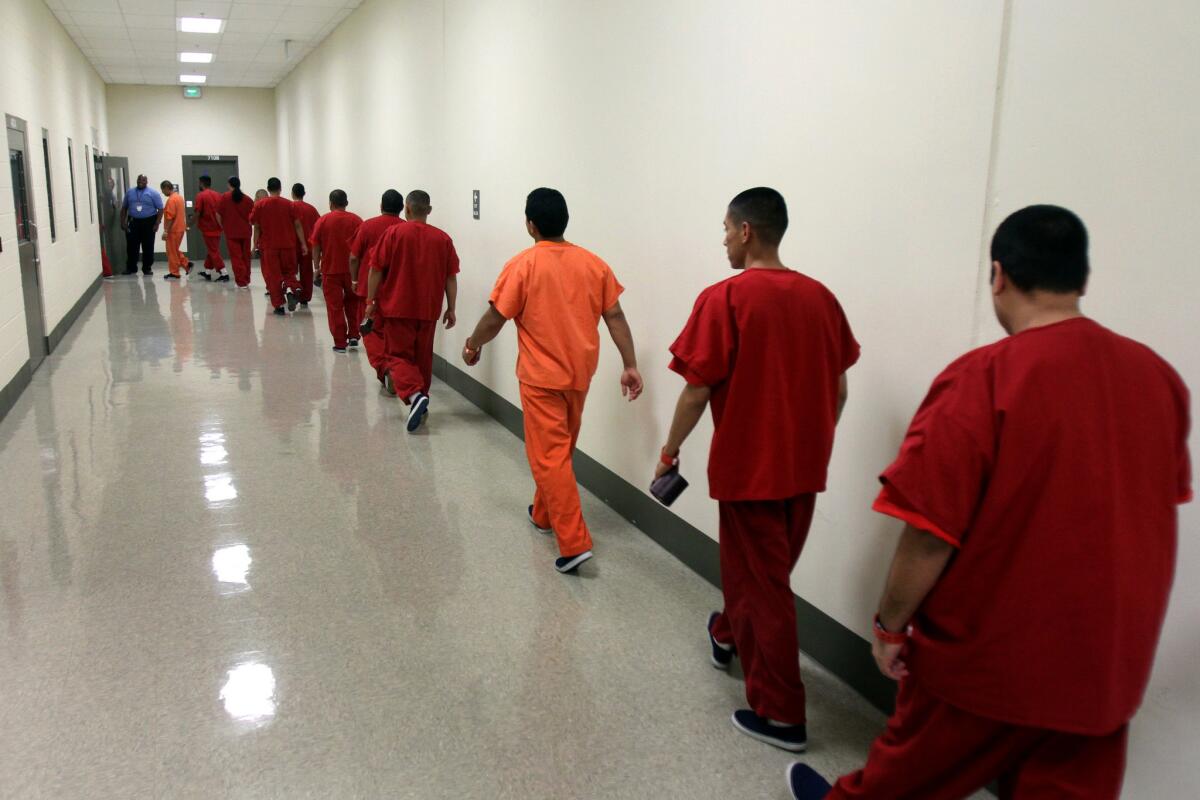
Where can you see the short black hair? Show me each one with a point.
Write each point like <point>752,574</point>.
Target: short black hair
<point>274,185</point>
<point>338,198</point>
<point>765,210</point>
<point>547,210</point>
<point>418,201</point>
<point>1043,247</point>
<point>166,185</point>
<point>392,202</point>
<point>205,181</point>
<point>298,190</point>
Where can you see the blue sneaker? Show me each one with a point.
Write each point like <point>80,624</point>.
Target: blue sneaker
<point>793,738</point>
<point>805,783</point>
<point>537,527</point>
<point>722,654</point>
<point>571,563</point>
<point>417,411</point>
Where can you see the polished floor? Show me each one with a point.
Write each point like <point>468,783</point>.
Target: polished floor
<point>227,572</point>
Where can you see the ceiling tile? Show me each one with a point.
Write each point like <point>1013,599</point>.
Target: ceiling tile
<point>161,8</point>
<point>271,11</point>
<point>96,19</point>
<point>296,30</point>
<point>320,15</point>
<point>149,22</point>
<point>250,26</point>
<point>205,8</point>
<point>320,3</point>
<point>244,39</point>
<point>97,6</point>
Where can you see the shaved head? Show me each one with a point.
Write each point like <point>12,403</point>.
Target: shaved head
<point>766,212</point>
<point>418,203</point>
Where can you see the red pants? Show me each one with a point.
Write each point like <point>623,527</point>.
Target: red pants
<point>376,347</point>
<point>212,254</point>
<point>761,541</point>
<point>304,266</point>
<point>932,750</point>
<point>407,352</point>
<point>341,305</point>
<point>278,269</point>
<point>552,420</point>
<point>239,255</point>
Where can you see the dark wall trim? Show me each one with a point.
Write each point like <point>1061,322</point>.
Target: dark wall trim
<point>12,390</point>
<point>60,330</point>
<point>823,638</point>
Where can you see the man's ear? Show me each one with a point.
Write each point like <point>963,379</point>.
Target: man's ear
<point>744,229</point>
<point>999,279</point>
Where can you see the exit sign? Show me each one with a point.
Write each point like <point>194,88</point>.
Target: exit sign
<point>191,92</point>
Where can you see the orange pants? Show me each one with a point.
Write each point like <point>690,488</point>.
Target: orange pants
<point>176,260</point>
<point>934,751</point>
<point>552,420</point>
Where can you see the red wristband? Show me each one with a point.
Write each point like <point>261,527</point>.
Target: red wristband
<point>670,461</point>
<point>887,637</point>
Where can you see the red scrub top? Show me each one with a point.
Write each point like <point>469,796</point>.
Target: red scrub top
<point>308,216</point>
<point>1055,459</point>
<point>235,217</point>
<point>416,260</point>
<point>275,217</point>
<point>369,234</point>
<point>772,345</point>
<point>207,206</point>
<point>333,234</point>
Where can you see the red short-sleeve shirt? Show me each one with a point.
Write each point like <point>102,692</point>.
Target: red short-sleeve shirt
<point>772,345</point>
<point>1054,459</point>
<point>275,216</point>
<point>417,259</point>
<point>235,217</point>
<point>308,216</point>
<point>369,234</point>
<point>333,234</point>
<point>207,205</point>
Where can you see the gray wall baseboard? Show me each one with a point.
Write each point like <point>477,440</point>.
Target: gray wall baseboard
<point>61,329</point>
<point>12,390</point>
<point>823,638</point>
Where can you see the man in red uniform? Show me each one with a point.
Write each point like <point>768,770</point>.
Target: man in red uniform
<point>769,348</point>
<point>304,261</point>
<point>331,239</point>
<point>1038,484</point>
<point>369,234</point>
<point>207,208</point>
<point>235,210</point>
<point>412,267</point>
<point>276,230</point>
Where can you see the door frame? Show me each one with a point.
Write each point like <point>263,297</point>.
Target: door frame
<point>195,242</point>
<point>112,238</point>
<point>34,293</point>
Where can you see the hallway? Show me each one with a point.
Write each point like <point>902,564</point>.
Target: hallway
<point>227,571</point>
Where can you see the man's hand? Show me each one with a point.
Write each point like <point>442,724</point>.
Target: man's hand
<point>888,659</point>
<point>471,356</point>
<point>164,236</point>
<point>449,319</point>
<point>303,249</point>
<point>661,469</point>
<point>631,383</point>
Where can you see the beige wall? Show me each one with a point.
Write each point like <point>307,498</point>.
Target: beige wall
<point>884,131</point>
<point>154,127</point>
<point>46,81</point>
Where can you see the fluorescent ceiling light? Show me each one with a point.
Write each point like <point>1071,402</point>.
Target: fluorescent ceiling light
<point>200,25</point>
<point>193,78</point>
<point>196,58</point>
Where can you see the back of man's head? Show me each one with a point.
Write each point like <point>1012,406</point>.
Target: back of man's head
<point>1043,248</point>
<point>298,191</point>
<point>165,185</point>
<point>338,198</point>
<point>418,203</point>
<point>547,210</point>
<point>274,185</point>
<point>392,202</point>
<point>766,212</point>
<point>205,182</point>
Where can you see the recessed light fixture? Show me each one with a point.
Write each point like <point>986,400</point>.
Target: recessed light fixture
<point>193,78</point>
<point>201,25</point>
<point>196,58</point>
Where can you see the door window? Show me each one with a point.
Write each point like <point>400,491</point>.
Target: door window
<point>49,184</point>
<point>16,162</point>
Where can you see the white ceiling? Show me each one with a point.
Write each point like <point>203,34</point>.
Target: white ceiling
<point>137,41</point>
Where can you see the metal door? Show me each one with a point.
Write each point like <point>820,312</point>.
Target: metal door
<point>112,182</point>
<point>27,245</point>
<point>220,169</point>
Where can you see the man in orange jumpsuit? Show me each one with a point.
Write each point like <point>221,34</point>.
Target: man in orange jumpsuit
<point>556,293</point>
<point>412,267</point>
<point>308,215</point>
<point>277,230</point>
<point>331,239</point>
<point>174,227</point>
<point>207,208</point>
<point>1039,484</point>
<point>369,234</point>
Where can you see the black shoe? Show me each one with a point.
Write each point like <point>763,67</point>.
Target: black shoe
<point>266,294</point>
<point>388,386</point>
<point>340,350</point>
<point>170,277</point>
<point>722,655</point>
<point>188,268</point>
<point>222,278</point>
<point>353,344</point>
<point>805,783</point>
<point>571,563</point>
<point>279,312</point>
<point>292,301</point>
<point>204,274</point>
<point>537,527</point>
<point>303,304</point>
<point>417,411</point>
<point>793,738</point>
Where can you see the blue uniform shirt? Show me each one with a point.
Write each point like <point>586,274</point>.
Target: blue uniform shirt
<point>143,203</point>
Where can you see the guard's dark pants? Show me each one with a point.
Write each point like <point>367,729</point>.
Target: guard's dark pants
<point>140,234</point>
